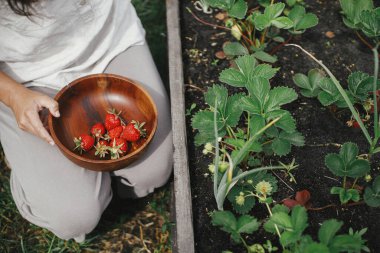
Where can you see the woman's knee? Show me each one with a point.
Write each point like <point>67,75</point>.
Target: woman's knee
<point>75,220</point>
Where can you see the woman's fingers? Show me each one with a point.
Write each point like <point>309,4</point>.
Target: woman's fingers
<point>50,104</point>
<point>37,128</point>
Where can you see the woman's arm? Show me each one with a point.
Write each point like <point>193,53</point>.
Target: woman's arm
<point>26,105</point>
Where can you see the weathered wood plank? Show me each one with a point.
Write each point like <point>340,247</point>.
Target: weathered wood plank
<point>183,211</point>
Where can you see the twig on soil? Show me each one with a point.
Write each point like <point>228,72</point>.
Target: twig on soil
<point>283,181</point>
<point>325,145</point>
<point>336,206</point>
<point>332,178</point>
<point>195,87</point>
<point>142,240</point>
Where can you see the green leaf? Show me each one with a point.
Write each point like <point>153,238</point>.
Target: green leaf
<point>370,22</point>
<point>281,147</point>
<point>225,220</point>
<point>234,49</point>
<point>358,168</point>
<point>282,220</point>
<point>257,122</point>
<point>274,10</point>
<point>280,208</point>
<point>246,65</point>
<point>262,21</point>
<point>265,71</point>
<point>346,243</point>
<point>315,247</point>
<point>251,105</point>
<point>247,224</point>
<point>278,97</point>
<point>295,138</point>
<point>360,84</point>
<point>372,193</point>
<point>348,152</point>
<point>328,230</point>
<point>259,87</point>
<point>289,237</point>
<point>217,92</point>
<point>263,56</point>
<point>309,84</point>
<point>291,2</point>
<point>352,10</point>
<point>301,19</point>
<point>233,77</point>
<point>249,201</point>
<point>286,123</point>
<point>238,10</point>
<point>299,218</point>
<point>329,93</point>
<point>282,22</point>
<point>233,110</point>
<point>335,164</point>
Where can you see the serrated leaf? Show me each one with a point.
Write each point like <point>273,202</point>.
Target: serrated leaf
<point>295,138</point>
<point>297,13</point>
<point>233,77</point>
<point>370,23</point>
<point>348,152</point>
<point>259,87</point>
<point>282,220</point>
<point>372,193</point>
<point>286,122</point>
<point>265,71</point>
<point>281,147</point>
<point>251,105</point>
<point>291,2</point>
<point>217,92</point>
<point>280,208</point>
<point>289,237</point>
<point>360,84</point>
<point>309,84</point>
<point>246,65</point>
<point>352,10</point>
<point>316,247</point>
<point>326,99</point>
<point>274,10</point>
<point>335,164</point>
<point>225,220</point>
<point>328,230</point>
<point>203,121</point>
<point>279,96</point>
<point>247,224</point>
<point>309,20</point>
<point>346,243</point>
<point>249,202</point>
<point>262,56</point>
<point>261,22</point>
<point>233,110</point>
<point>299,218</point>
<point>282,22</point>
<point>358,168</point>
<point>238,10</point>
<point>234,49</point>
<point>256,123</point>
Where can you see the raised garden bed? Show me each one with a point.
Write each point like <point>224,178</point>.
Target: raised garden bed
<point>324,129</point>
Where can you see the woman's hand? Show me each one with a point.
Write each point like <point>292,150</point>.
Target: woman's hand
<point>26,105</point>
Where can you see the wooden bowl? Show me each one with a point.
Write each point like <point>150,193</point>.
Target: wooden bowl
<point>85,102</point>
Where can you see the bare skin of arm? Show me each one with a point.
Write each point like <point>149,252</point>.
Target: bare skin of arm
<point>26,105</point>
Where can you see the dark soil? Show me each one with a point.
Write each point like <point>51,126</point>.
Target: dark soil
<point>343,54</point>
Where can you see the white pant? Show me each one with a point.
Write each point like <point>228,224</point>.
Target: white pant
<point>52,192</point>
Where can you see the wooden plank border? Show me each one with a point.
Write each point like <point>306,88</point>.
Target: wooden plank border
<point>184,234</point>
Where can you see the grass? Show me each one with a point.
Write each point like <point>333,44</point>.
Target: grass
<point>133,226</point>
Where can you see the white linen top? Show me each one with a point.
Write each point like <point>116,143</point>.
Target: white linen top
<point>65,39</point>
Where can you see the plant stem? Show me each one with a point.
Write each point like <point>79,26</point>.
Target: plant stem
<point>353,185</point>
<point>374,89</point>
<point>231,131</point>
<point>344,182</point>
<point>245,244</point>
<point>341,91</point>
<point>270,213</point>
<point>363,40</point>
<point>249,120</point>
<point>216,150</point>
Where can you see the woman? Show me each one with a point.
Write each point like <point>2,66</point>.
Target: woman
<point>44,45</point>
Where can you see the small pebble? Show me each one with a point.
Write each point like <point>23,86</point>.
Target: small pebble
<point>330,34</point>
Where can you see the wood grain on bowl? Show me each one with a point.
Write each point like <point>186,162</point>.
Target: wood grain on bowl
<point>85,102</point>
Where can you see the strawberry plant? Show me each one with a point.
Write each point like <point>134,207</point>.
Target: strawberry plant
<point>256,28</point>
<point>293,239</point>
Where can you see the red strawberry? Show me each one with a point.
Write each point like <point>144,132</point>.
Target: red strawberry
<point>133,131</point>
<point>102,148</point>
<point>118,146</point>
<point>115,132</point>
<point>98,130</point>
<point>84,143</point>
<point>112,119</point>
<point>355,124</point>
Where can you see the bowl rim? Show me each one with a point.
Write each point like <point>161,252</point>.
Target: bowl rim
<point>108,161</point>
